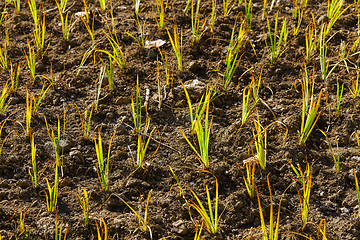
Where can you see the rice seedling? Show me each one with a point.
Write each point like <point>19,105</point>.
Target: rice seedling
<point>102,5</point>
<point>197,231</point>
<point>337,157</point>
<point>118,56</point>
<point>260,141</point>
<point>55,141</point>
<point>255,84</point>
<point>39,36</point>
<point>177,181</point>
<point>58,229</point>
<point>142,218</point>
<point>31,60</point>
<point>3,16</point>
<point>161,91</point>
<point>40,98</point>
<point>263,12</point>
<point>305,180</point>
<point>248,12</point>
<point>197,31</point>
<point>33,10</point>
<point>85,118</point>
<point>277,43</point>
<point>310,40</point>
<point>247,108</point>
<point>357,190</point>
<point>14,76</point>
<point>356,138</point>
<point>103,166</point>
<point>17,6</point>
<point>273,233</point>
<point>161,8</point>
<point>227,7</point>
<point>298,13</point>
<point>103,233</point>
<point>210,218</point>
<point>28,113</point>
<point>99,84</point>
<point>355,88</point>
<point>90,29</point>
<point>334,13</point>
<point>65,23</point>
<point>249,178</point>
<point>176,43</point>
<point>141,40</point>
<point>4,99</point>
<point>4,65</point>
<point>232,61</point>
<point>87,18</point>
<point>201,126</point>
<point>187,7</point>
<point>212,16</point>
<point>109,72</point>
<point>136,109</point>
<point>166,68</point>
<point>53,192</point>
<point>310,107</point>
<point>136,7</point>
<point>33,171</point>
<point>339,94</point>
<point>23,231</point>
<point>84,204</point>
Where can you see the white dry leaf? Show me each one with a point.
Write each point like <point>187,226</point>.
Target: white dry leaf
<point>154,44</point>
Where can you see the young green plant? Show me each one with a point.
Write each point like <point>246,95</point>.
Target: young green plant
<point>103,166</point>
<point>4,99</point>
<point>161,8</point>
<point>260,141</point>
<point>248,12</point>
<point>4,65</point>
<point>310,107</point>
<point>197,30</point>
<point>55,141</point>
<point>277,42</point>
<point>357,191</point>
<point>337,157</point>
<point>339,94</point>
<point>201,126</point>
<point>210,218</point>
<point>103,233</point>
<point>310,40</point>
<point>52,194</point>
<point>355,87</point>
<point>227,7</point>
<point>40,98</point>
<point>33,171</point>
<point>65,23</point>
<point>247,108</point>
<point>58,229</point>
<point>102,5</point>
<point>176,43</point>
<point>305,181</point>
<point>143,218</point>
<point>31,60</point>
<point>28,114</point>
<point>84,204</point>
<point>249,179</point>
<point>85,118</point>
<point>298,13</point>
<point>14,76</point>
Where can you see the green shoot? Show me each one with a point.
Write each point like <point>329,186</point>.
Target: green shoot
<point>298,13</point>
<point>39,35</point>
<point>277,43</point>
<point>41,97</point>
<point>3,57</point>
<point>99,84</point>
<point>187,7</point>
<point>161,92</point>
<point>85,119</point>
<point>260,140</point>
<point>136,7</point>
<point>109,72</point>
<point>227,7</point>
<point>249,179</point>
<point>213,16</point>
<point>273,233</point>
<point>14,76</point>
<point>84,204</point>
<point>31,60</point>
<point>58,229</point>
<point>161,8</point>
<point>65,23</point>
<point>306,180</point>
<point>355,88</point>
<point>197,31</point>
<point>23,231</point>
<point>55,141</point>
<point>28,114</point>
<point>118,56</point>
<point>310,107</point>
<point>166,68</point>
<point>52,194</point>
<point>102,5</point>
<point>176,43</point>
<point>310,40</point>
<point>339,94</point>
<point>197,231</point>
<point>103,166</point>
<point>102,234</point>
<point>210,218</point>
<point>136,109</point>
<point>334,13</point>
<point>17,6</point>
<point>337,157</point>
<point>248,12</point>
<point>177,181</point>
<point>141,40</point>
<point>33,171</point>
<point>201,126</point>
<point>143,220</point>
<point>4,99</point>
<point>89,29</point>
<point>263,12</point>
<point>246,107</point>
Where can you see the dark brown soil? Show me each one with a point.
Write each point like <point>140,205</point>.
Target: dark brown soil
<point>333,196</point>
